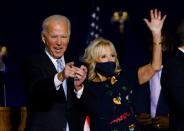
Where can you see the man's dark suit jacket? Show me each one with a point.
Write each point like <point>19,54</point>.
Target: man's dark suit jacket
<point>48,109</point>
<point>142,104</point>
<point>142,101</point>
<point>172,81</point>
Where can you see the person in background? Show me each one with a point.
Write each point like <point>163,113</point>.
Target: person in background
<point>49,81</point>
<point>3,53</point>
<point>106,95</point>
<point>172,78</point>
<point>156,115</point>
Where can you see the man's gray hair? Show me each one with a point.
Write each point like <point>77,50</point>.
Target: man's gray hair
<point>55,18</point>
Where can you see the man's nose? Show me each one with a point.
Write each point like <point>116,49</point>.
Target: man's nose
<point>59,41</point>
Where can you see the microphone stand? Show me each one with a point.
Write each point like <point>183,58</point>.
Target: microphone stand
<point>4,92</point>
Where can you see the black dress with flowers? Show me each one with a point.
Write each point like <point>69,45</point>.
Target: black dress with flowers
<point>108,103</point>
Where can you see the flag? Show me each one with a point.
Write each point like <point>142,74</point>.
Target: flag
<point>101,23</point>
<point>95,29</point>
<point>87,124</point>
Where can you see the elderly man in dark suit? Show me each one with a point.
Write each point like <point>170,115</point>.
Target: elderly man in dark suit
<point>172,81</point>
<point>50,82</point>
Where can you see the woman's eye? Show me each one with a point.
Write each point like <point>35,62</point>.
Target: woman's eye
<point>103,56</point>
<point>113,55</point>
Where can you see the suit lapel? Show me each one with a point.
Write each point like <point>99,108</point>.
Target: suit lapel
<point>48,65</point>
<point>69,92</point>
<point>162,106</point>
<point>180,54</point>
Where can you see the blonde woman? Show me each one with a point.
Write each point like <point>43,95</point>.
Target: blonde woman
<point>106,93</point>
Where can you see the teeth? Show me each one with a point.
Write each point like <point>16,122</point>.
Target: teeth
<point>58,48</point>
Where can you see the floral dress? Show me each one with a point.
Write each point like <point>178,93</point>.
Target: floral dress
<point>108,103</point>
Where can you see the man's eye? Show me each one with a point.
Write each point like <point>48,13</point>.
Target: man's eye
<point>103,56</point>
<point>64,36</point>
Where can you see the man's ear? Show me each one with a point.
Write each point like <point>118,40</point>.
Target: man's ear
<point>43,38</point>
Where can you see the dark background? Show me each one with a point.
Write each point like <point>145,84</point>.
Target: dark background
<point>20,27</point>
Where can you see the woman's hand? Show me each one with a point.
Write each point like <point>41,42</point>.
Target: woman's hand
<point>156,22</point>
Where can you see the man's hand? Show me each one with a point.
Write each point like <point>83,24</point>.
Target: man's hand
<point>161,122</point>
<point>80,76</point>
<point>68,71</point>
<point>144,119</point>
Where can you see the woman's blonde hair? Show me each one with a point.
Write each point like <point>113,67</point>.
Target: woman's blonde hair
<point>92,53</point>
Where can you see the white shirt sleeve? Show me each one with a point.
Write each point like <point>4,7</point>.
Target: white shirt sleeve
<point>57,82</point>
<point>79,92</point>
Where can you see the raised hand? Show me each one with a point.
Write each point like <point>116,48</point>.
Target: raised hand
<point>156,23</point>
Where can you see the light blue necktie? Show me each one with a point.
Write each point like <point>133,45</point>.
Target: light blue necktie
<point>60,66</point>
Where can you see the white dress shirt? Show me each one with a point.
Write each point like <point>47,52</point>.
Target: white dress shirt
<point>181,49</point>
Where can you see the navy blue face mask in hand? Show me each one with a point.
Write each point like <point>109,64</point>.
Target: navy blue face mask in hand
<point>106,69</point>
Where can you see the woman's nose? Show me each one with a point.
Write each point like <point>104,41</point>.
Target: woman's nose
<point>110,59</point>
